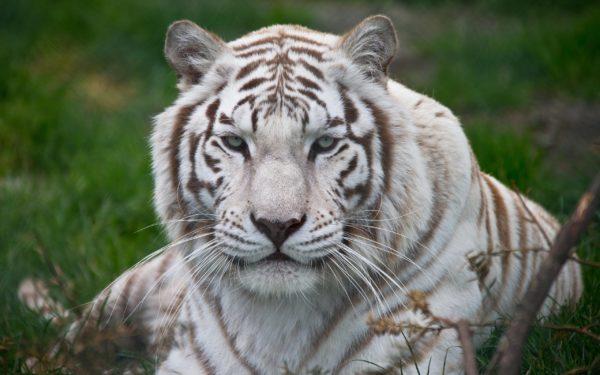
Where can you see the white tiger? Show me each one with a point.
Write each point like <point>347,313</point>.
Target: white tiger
<point>305,193</point>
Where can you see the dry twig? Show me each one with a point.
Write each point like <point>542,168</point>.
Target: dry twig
<point>533,218</point>
<point>582,330</point>
<point>462,327</point>
<point>572,257</point>
<point>466,340</point>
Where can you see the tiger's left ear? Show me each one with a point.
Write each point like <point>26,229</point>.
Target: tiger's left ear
<point>371,45</point>
<point>191,51</point>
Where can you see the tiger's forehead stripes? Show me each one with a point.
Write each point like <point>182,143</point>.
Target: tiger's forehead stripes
<point>277,40</point>
<point>278,35</point>
<point>283,70</point>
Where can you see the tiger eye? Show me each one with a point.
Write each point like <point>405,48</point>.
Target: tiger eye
<point>234,141</point>
<point>325,141</point>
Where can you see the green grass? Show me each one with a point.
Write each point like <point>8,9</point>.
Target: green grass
<point>490,62</point>
<point>80,83</point>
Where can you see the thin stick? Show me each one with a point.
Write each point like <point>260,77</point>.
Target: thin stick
<point>465,338</point>
<point>508,356</point>
<point>534,218</point>
<point>581,330</point>
<point>583,262</point>
<point>55,270</point>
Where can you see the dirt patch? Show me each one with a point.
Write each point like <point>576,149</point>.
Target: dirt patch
<point>104,92</point>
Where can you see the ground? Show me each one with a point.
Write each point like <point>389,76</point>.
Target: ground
<point>80,83</point>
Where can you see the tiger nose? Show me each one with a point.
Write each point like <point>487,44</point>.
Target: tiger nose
<point>277,231</point>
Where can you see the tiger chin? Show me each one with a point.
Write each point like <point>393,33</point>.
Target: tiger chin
<point>305,193</point>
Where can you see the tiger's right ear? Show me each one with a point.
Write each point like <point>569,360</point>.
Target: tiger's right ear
<point>191,50</point>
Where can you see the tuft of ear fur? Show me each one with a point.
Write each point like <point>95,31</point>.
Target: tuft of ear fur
<point>371,45</point>
<point>191,51</point>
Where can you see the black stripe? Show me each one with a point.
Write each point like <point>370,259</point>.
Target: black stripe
<point>308,83</point>
<point>249,68</point>
<point>253,83</point>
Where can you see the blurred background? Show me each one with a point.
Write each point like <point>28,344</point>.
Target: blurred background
<point>81,80</point>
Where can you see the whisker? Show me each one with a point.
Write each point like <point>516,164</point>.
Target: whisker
<point>363,274</point>
<point>356,216</point>
<point>175,221</point>
<point>387,248</point>
<point>178,264</point>
<point>380,246</point>
<point>419,267</point>
<point>171,315</point>
<point>357,287</point>
<point>128,272</point>
<point>386,276</point>
<point>341,285</point>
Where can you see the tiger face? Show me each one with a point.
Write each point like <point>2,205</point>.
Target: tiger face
<point>278,148</point>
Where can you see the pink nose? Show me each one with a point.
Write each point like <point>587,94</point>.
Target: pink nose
<point>277,231</point>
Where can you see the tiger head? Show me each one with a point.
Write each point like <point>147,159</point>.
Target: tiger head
<point>285,156</point>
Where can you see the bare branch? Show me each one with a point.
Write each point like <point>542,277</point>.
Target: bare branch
<point>582,330</point>
<point>466,340</point>
<point>585,262</point>
<point>574,258</point>
<point>533,218</point>
<point>464,328</point>
<point>438,323</point>
<point>508,355</point>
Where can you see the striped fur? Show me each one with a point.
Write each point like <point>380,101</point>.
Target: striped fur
<point>397,205</point>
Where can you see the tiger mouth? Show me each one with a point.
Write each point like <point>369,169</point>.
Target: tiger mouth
<point>278,256</point>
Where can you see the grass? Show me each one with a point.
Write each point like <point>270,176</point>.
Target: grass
<point>81,83</point>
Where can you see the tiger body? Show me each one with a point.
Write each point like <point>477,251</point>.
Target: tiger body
<point>396,206</point>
